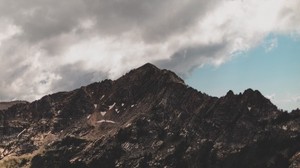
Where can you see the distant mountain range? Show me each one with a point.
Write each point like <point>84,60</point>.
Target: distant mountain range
<point>148,118</point>
<point>6,105</point>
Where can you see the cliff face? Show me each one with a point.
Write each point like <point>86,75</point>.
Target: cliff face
<point>149,118</point>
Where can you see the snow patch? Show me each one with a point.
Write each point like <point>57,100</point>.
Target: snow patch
<point>132,105</point>
<point>59,111</point>
<point>102,97</point>
<point>88,117</point>
<point>249,108</point>
<point>21,133</point>
<point>95,105</point>
<point>284,127</point>
<point>117,110</point>
<point>103,113</point>
<point>106,121</point>
<point>122,104</point>
<point>112,106</point>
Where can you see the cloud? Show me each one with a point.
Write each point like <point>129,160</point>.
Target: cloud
<point>295,99</point>
<point>270,44</point>
<point>287,101</point>
<point>74,76</point>
<point>186,59</point>
<point>271,97</point>
<point>51,45</point>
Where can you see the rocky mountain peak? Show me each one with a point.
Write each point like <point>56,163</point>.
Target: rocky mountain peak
<point>148,67</point>
<point>150,72</point>
<point>148,118</point>
<point>250,92</point>
<point>229,94</point>
<point>255,98</point>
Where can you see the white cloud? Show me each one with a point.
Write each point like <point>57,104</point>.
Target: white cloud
<point>7,30</point>
<point>270,44</point>
<point>271,97</point>
<point>42,43</point>
<point>286,101</point>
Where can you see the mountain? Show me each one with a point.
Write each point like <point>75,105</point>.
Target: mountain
<point>6,105</point>
<point>149,118</point>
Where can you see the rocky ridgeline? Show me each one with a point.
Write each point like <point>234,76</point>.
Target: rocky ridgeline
<point>149,118</point>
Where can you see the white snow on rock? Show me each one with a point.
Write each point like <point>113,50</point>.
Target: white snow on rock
<point>249,108</point>
<point>128,125</point>
<point>59,111</point>
<point>284,127</point>
<point>103,113</point>
<point>102,97</point>
<point>132,105</point>
<point>95,105</point>
<point>106,121</point>
<point>21,133</point>
<point>112,106</point>
<point>88,117</point>
<point>117,110</point>
<point>122,104</point>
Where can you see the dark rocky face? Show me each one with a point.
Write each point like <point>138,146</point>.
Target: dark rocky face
<point>149,118</point>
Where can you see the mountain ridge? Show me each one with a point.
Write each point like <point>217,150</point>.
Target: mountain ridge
<point>149,118</point>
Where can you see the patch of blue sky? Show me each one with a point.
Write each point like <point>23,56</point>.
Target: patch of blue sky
<point>273,67</point>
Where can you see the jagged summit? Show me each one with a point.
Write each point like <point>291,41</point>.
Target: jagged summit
<point>254,97</point>
<point>229,94</point>
<point>148,118</point>
<point>149,72</point>
<point>251,92</point>
<point>148,66</point>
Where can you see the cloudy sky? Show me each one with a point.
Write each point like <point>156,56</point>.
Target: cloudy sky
<point>53,45</point>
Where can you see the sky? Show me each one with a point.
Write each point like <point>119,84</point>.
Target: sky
<point>52,45</point>
<point>272,68</point>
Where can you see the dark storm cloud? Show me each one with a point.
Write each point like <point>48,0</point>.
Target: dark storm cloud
<point>74,76</point>
<point>155,20</point>
<point>187,59</point>
<point>55,25</point>
<point>43,19</point>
